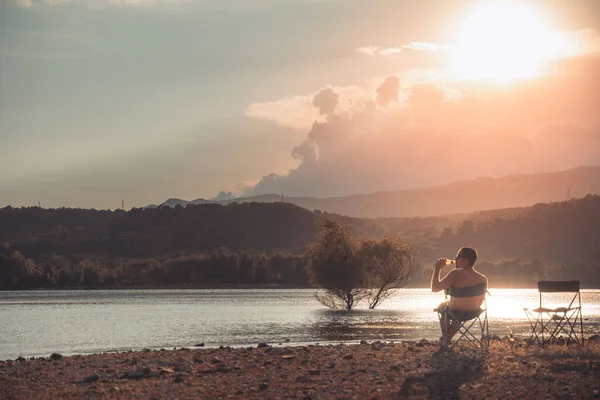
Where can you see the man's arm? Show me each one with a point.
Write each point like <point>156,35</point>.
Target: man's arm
<point>486,285</point>
<point>436,284</point>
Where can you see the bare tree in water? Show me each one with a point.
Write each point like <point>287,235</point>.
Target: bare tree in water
<point>347,270</point>
<point>389,261</point>
<point>334,267</point>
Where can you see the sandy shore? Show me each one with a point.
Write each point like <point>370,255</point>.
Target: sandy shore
<point>367,371</point>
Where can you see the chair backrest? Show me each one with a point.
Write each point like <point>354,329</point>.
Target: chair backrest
<point>558,286</point>
<point>469,291</point>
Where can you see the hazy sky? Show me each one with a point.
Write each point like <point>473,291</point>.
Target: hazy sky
<point>142,100</point>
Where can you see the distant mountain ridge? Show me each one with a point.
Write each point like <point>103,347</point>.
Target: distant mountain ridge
<point>458,197</point>
<point>256,242</point>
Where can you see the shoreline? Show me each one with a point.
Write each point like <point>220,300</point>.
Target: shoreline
<point>224,287</point>
<point>368,370</point>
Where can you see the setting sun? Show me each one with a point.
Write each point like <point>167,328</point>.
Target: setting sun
<point>504,41</point>
<point>317,198</point>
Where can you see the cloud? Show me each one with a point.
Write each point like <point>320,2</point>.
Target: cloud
<point>306,151</point>
<point>326,101</point>
<point>395,50</point>
<point>571,43</point>
<point>438,133</point>
<point>426,46</point>
<point>379,51</point>
<point>300,112</point>
<point>388,91</point>
<point>296,112</point>
<point>368,50</point>
<point>389,51</point>
<point>223,196</point>
<point>238,190</point>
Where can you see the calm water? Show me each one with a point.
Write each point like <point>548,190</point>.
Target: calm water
<point>37,323</point>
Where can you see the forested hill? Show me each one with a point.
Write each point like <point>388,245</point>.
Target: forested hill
<point>566,232</point>
<point>193,229</point>
<point>546,241</point>
<point>160,231</point>
<point>516,246</point>
<point>559,231</point>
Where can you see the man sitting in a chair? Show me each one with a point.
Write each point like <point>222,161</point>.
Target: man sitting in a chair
<point>467,294</point>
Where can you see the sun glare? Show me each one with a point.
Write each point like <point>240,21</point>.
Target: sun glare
<point>505,40</point>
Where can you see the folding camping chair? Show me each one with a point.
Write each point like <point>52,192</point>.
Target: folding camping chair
<point>547,324</point>
<point>468,321</point>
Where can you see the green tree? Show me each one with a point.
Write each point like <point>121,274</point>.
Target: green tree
<point>390,263</point>
<point>348,270</point>
<point>334,266</point>
<point>14,271</point>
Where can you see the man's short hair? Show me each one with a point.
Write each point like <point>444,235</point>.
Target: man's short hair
<point>469,253</point>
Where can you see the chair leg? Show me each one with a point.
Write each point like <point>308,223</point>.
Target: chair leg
<point>571,335</point>
<point>444,328</point>
<point>581,323</point>
<point>485,334</point>
<point>548,331</point>
<point>466,334</point>
<point>570,321</point>
<point>559,320</point>
<point>542,324</point>
<point>464,331</point>
<point>534,321</point>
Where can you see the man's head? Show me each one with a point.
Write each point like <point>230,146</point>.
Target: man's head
<point>466,257</point>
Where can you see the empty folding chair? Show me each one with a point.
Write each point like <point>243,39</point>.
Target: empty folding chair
<point>549,324</point>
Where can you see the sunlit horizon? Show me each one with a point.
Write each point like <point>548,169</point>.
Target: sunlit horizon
<point>146,101</point>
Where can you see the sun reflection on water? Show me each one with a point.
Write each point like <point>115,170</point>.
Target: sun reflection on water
<point>506,304</point>
<point>40,322</point>
<point>410,315</point>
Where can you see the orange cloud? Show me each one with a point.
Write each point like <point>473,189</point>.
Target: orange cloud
<point>441,132</point>
<point>295,112</point>
<point>394,50</point>
<point>300,112</point>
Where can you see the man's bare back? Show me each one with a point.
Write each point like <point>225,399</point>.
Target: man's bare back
<point>465,277</point>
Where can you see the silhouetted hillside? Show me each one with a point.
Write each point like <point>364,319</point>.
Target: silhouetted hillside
<point>262,243</point>
<point>564,232</point>
<point>546,241</point>
<point>37,225</point>
<point>197,228</point>
<point>157,231</point>
<point>193,229</point>
<point>459,197</point>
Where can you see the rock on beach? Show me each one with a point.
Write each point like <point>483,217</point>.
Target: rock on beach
<point>376,371</point>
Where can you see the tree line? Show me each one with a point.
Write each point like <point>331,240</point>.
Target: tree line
<point>217,268</point>
<point>546,241</point>
<point>156,232</point>
<point>347,269</point>
<point>517,247</point>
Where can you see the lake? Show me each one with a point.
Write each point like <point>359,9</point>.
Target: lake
<point>38,323</point>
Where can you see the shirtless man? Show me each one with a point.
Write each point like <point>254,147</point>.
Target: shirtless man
<point>462,276</point>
